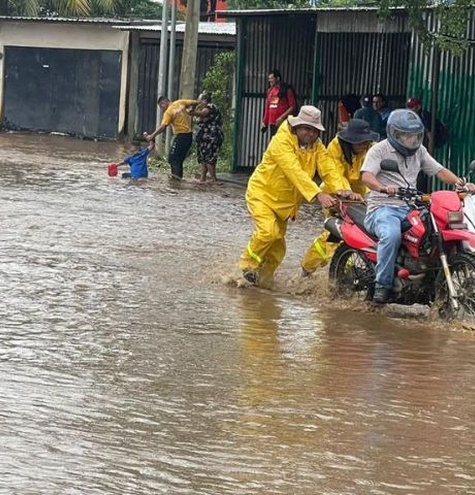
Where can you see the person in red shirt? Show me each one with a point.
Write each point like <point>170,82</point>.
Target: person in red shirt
<point>280,103</point>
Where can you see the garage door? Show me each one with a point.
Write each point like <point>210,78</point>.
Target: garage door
<point>57,90</point>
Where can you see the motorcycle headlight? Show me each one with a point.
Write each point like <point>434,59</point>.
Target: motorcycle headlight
<point>455,216</point>
<point>455,220</point>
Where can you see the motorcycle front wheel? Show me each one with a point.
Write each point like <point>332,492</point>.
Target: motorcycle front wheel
<point>462,269</point>
<point>351,274</point>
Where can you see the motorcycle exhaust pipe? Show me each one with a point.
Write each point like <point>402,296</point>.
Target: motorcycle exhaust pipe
<point>333,225</point>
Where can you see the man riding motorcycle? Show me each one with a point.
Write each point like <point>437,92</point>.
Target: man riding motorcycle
<point>385,213</point>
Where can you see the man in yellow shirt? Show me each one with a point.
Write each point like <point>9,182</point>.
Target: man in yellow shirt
<point>177,115</point>
<point>279,184</point>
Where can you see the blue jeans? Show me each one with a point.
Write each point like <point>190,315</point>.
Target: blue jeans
<point>385,224</point>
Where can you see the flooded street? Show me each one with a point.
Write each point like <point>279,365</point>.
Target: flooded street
<point>131,364</point>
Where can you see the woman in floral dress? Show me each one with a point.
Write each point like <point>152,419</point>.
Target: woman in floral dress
<point>209,137</point>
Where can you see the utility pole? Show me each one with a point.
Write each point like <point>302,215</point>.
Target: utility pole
<point>171,91</point>
<point>162,70</point>
<point>190,49</point>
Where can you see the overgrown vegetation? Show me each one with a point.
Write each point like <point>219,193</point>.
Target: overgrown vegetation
<point>452,18</point>
<point>219,82</point>
<point>138,9</point>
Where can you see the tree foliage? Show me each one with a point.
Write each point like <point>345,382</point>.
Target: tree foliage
<point>452,21</point>
<point>218,81</point>
<point>136,9</point>
<point>127,8</point>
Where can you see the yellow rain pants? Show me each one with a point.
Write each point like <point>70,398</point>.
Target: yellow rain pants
<point>320,251</point>
<point>279,184</point>
<point>266,247</point>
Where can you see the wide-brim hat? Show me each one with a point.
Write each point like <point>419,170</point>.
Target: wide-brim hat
<point>358,131</point>
<point>308,115</point>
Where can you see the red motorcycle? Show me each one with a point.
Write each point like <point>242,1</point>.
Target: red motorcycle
<point>435,264</point>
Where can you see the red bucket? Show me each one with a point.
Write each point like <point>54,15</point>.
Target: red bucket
<point>112,169</point>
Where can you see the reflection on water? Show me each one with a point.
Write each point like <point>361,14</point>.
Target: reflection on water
<point>127,367</point>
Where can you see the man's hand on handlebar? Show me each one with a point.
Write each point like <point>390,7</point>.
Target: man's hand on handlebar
<point>325,200</point>
<point>352,196</point>
<point>461,183</point>
<point>389,190</point>
<point>463,186</point>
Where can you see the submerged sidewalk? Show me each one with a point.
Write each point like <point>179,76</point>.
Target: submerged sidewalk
<point>238,179</point>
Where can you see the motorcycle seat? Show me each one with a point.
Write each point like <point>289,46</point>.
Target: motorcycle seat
<point>357,213</point>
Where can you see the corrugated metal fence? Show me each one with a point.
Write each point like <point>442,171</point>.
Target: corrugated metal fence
<point>454,81</point>
<point>324,56</point>
<point>360,63</point>
<point>283,43</point>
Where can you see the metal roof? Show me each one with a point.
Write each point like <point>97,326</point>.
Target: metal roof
<point>84,20</point>
<point>218,28</point>
<point>223,28</point>
<point>291,11</point>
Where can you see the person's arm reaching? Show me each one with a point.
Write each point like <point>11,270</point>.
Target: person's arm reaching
<point>332,175</point>
<point>282,151</point>
<point>201,111</point>
<point>447,176</point>
<point>370,181</point>
<point>154,134</point>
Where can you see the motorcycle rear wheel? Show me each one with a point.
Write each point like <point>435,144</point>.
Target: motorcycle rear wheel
<point>462,269</point>
<point>351,274</point>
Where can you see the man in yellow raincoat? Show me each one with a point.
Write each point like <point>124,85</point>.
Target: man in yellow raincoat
<point>348,150</point>
<point>279,184</point>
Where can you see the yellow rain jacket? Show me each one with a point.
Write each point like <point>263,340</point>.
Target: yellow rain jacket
<point>350,174</point>
<point>284,178</point>
<point>321,251</point>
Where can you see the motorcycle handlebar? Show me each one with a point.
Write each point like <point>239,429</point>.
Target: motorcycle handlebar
<point>411,194</point>
<point>407,193</point>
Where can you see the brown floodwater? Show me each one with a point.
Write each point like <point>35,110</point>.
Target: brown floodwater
<point>132,361</point>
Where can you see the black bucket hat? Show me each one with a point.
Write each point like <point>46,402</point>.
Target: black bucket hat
<point>357,132</point>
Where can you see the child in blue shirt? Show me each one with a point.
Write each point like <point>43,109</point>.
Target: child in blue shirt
<point>137,161</point>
